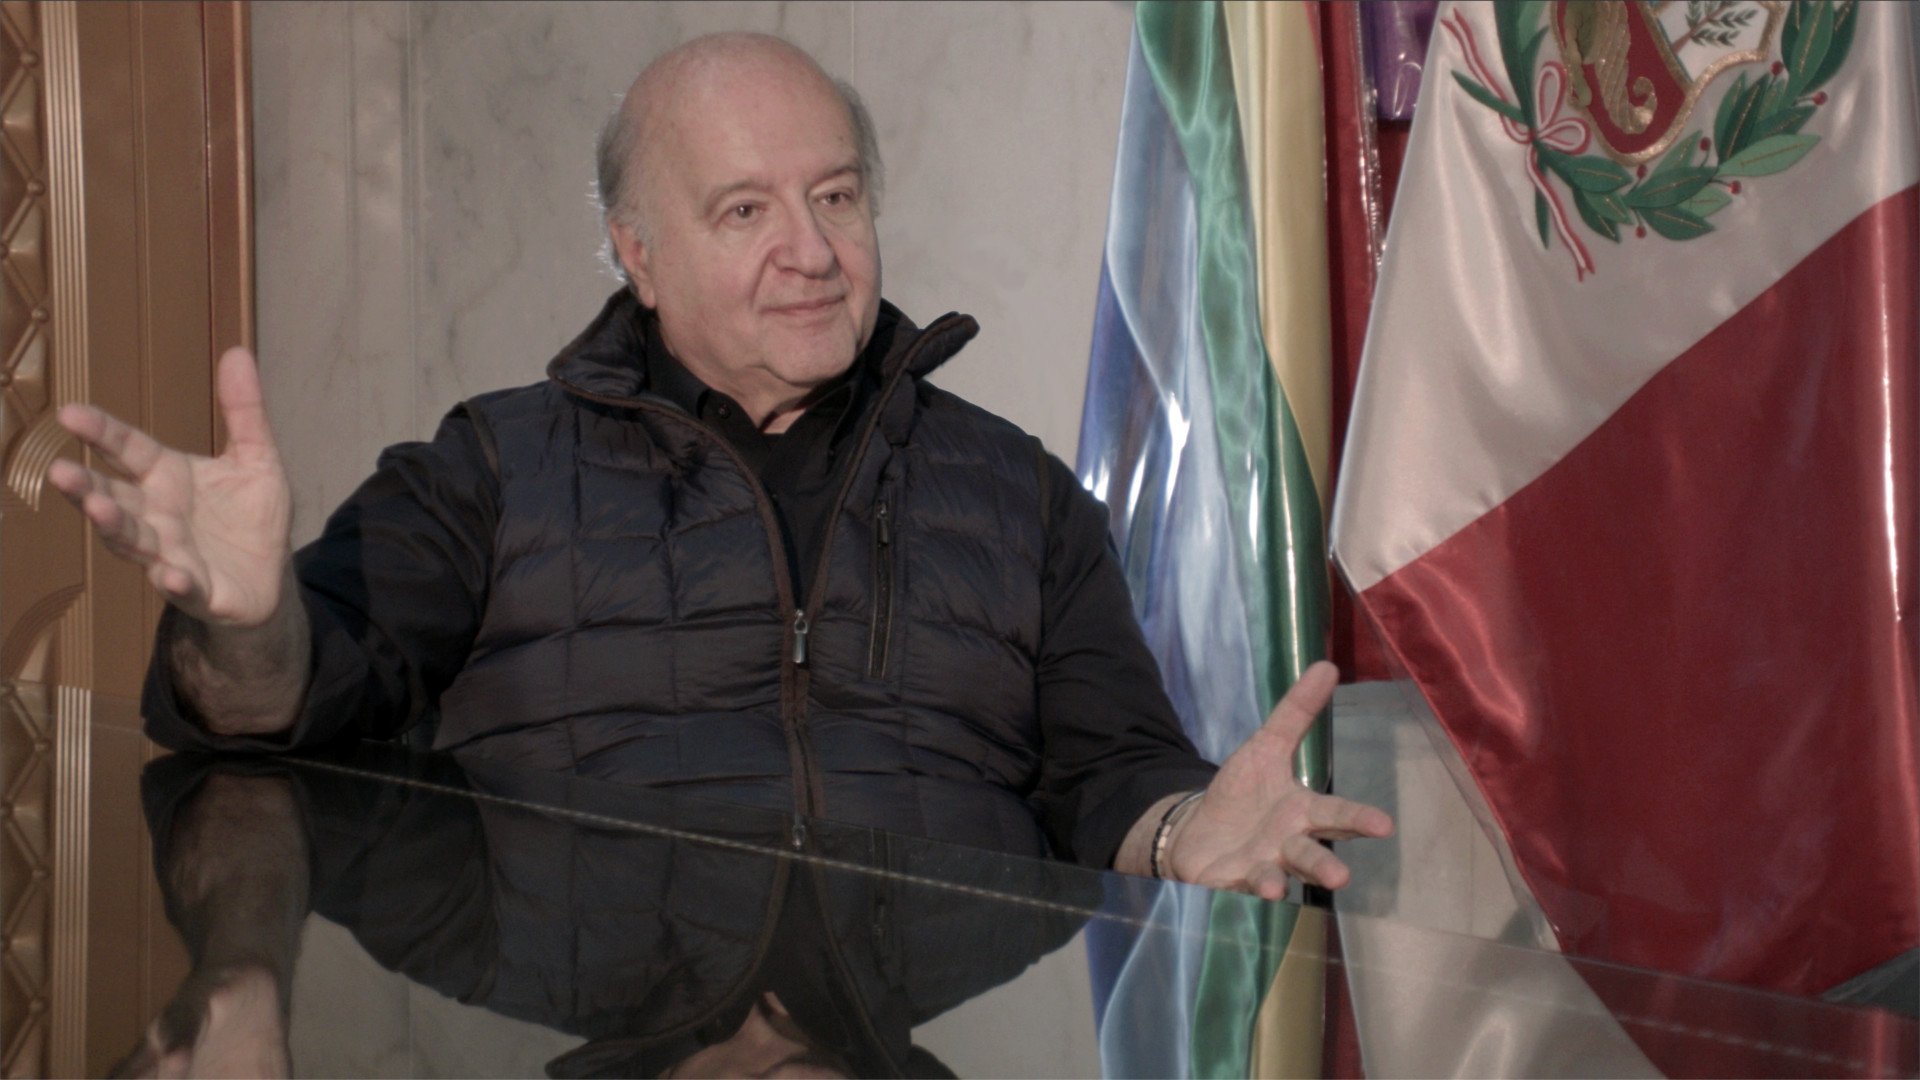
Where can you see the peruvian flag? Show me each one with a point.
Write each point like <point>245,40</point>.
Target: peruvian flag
<point>1630,489</point>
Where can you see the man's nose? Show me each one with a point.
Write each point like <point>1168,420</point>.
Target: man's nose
<point>805,248</point>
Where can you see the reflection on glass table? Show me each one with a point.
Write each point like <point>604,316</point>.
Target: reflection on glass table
<point>377,911</point>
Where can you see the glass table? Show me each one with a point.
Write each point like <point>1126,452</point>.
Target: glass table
<point>374,910</point>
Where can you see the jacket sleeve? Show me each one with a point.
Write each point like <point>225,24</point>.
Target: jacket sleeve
<point>394,590</point>
<point>1112,744</point>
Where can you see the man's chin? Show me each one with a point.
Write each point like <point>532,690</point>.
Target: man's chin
<point>812,359</point>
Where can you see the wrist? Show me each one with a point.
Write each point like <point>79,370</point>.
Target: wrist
<point>243,680</point>
<point>1160,855</point>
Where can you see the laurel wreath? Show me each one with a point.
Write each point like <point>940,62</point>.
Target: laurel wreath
<point>1756,132</point>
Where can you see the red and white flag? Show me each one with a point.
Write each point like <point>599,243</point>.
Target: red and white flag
<point>1630,489</point>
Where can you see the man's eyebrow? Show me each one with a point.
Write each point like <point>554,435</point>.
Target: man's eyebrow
<point>851,166</point>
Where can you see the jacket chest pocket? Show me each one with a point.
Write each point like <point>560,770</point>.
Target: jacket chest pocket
<point>881,588</point>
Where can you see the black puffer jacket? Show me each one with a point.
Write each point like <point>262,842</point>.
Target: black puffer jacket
<point>640,605</point>
<point>580,576</point>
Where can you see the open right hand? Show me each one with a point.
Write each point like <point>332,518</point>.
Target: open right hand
<point>212,533</point>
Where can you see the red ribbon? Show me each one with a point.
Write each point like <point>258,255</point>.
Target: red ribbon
<point>1567,134</point>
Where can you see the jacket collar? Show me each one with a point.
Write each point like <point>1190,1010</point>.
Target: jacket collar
<point>607,361</point>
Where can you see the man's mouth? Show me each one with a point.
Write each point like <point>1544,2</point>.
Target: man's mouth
<point>804,308</point>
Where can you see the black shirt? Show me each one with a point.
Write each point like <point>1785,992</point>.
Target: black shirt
<point>799,468</point>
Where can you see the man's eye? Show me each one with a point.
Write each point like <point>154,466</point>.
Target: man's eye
<point>838,198</point>
<point>744,212</point>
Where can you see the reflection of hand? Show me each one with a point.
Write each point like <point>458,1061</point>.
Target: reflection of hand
<point>234,869</point>
<point>217,1025</point>
<point>212,533</point>
<point>1256,824</point>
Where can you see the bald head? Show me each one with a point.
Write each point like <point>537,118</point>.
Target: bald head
<point>669,93</point>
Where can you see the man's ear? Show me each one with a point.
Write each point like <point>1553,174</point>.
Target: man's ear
<point>633,256</point>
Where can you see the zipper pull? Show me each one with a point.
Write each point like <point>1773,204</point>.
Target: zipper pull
<point>883,530</point>
<point>799,637</point>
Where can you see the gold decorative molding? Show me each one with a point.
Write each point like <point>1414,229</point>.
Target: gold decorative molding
<point>67,182</point>
<point>26,854</point>
<point>23,224</point>
<point>72,789</point>
<point>27,652</point>
<point>29,832</point>
<point>228,39</point>
<point>67,299</point>
<point>165,194</point>
<point>36,449</point>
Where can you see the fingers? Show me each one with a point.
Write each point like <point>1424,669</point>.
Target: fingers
<point>115,508</point>
<point>112,505</point>
<point>241,404</point>
<point>1307,698</point>
<point>71,478</point>
<point>76,481</point>
<point>1313,863</point>
<point>152,1057</point>
<point>1299,857</point>
<point>142,1061</point>
<point>1330,817</point>
<point>126,535</point>
<point>176,1065</point>
<point>1267,883</point>
<point>125,447</point>
<point>178,586</point>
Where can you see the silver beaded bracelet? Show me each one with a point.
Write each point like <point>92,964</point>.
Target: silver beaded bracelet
<point>1161,834</point>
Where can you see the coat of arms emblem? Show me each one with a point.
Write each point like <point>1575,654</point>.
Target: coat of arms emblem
<point>1613,117</point>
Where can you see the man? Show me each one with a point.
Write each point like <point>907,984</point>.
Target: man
<point>734,541</point>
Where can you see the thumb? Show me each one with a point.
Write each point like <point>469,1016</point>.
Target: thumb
<point>242,406</point>
<point>1306,699</point>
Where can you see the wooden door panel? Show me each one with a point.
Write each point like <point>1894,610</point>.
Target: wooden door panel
<point>125,214</point>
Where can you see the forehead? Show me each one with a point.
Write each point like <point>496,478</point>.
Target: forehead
<point>746,120</point>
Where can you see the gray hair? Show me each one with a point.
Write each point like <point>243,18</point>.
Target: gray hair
<point>617,187</point>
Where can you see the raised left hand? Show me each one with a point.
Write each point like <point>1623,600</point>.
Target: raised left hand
<point>1257,824</point>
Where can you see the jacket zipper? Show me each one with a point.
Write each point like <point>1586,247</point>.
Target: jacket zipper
<point>799,652</point>
<point>815,795</point>
<point>880,624</point>
<point>794,670</point>
<point>793,667</point>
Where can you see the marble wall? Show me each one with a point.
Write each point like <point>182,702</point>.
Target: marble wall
<point>426,229</point>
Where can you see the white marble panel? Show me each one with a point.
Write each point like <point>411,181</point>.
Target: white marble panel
<point>454,1039</point>
<point>400,1028</point>
<point>333,241</point>
<point>509,98</point>
<point>376,1010</point>
<point>998,123</point>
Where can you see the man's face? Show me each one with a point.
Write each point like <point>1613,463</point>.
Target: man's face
<point>762,261</point>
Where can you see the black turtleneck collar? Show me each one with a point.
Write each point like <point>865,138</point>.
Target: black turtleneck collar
<point>800,467</point>
<point>669,378</point>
